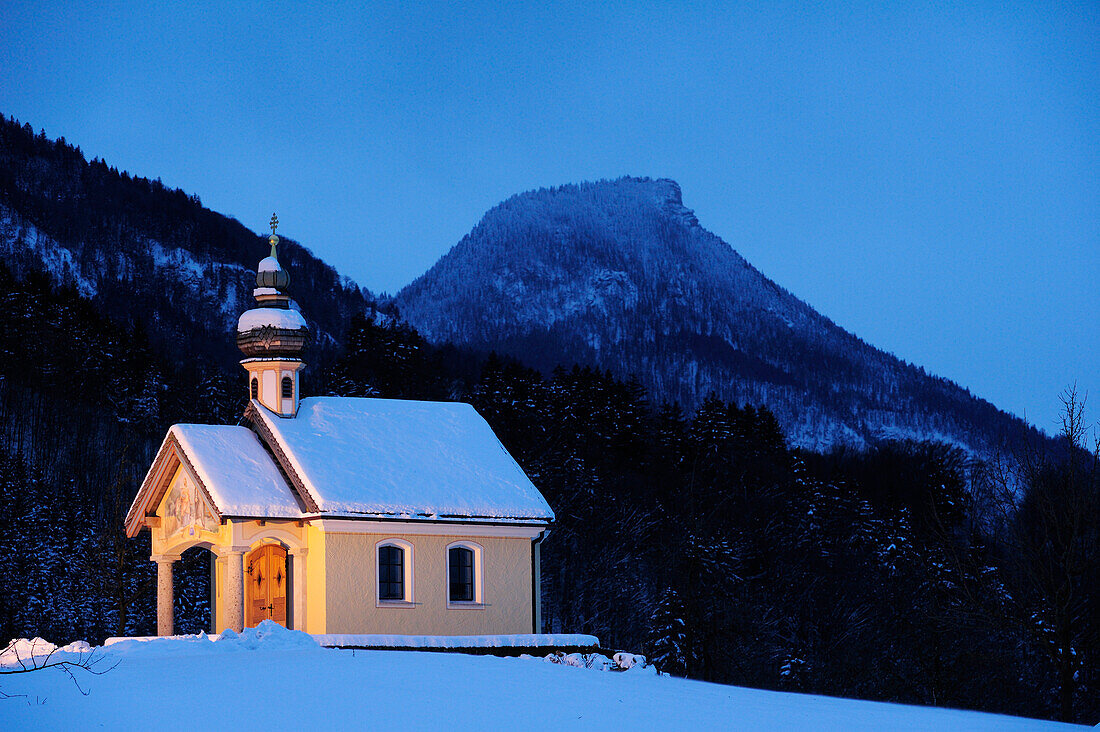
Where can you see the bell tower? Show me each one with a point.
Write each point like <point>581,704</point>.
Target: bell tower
<point>273,336</point>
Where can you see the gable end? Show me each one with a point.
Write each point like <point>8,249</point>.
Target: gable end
<point>169,457</point>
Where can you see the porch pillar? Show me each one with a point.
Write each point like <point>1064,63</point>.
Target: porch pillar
<point>234,590</point>
<point>164,593</point>
<point>298,561</point>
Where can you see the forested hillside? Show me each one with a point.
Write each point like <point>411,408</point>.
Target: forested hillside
<point>702,537</point>
<point>144,253</point>
<point>83,403</point>
<point>620,275</point>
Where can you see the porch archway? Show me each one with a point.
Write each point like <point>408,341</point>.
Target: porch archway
<point>230,604</point>
<point>193,591</point>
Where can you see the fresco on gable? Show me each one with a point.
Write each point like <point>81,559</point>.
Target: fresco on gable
<point>185,511</point>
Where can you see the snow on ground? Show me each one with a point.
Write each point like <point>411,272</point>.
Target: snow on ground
<point>270,678</point>
<point>24,650</point>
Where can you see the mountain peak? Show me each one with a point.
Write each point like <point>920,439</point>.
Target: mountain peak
<point>664,193</point>
<point>619,274</point>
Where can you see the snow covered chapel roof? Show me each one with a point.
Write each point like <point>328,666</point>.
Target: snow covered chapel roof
<point>231,467</point>
<point>238,473</point>
<point>350,458</point>
<point>399,458</point>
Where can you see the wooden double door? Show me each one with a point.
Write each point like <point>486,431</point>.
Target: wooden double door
<point>265,585</point>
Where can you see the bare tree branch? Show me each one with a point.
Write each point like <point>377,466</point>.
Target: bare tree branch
<point>29,660</point>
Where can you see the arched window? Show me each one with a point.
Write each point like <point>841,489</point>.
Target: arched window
<point>464,583</point>
<point>391,573</point>
<point>288,387</point>
<point>255,388</point>
<point>394,572</point>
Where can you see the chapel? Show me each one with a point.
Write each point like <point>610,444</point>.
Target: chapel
<point>342,515</point>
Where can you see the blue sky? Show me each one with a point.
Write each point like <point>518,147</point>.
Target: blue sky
<point>928,176</point>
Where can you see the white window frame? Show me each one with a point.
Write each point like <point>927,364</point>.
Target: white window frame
<point>478,602</point>
<point>406,573</point>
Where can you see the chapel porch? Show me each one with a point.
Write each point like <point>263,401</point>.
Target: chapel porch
<point>259,571</point>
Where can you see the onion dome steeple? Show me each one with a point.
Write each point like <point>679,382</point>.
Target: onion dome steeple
<point>273,336</point>
<point>270,273</point>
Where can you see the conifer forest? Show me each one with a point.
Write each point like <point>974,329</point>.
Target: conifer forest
<point>702,536</point>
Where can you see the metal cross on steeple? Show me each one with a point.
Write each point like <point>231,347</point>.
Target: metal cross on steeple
<point>273,240</point>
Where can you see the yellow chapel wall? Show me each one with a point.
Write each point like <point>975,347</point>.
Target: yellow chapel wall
<point>341,575</point>
<point>351,589</point>
<point>316,585</point>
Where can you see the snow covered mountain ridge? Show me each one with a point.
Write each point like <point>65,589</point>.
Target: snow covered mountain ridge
<point>621,275</point>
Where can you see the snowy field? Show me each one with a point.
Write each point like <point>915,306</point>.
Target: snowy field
<point>271,678</point>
